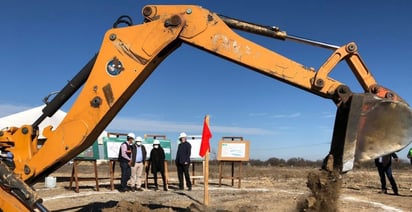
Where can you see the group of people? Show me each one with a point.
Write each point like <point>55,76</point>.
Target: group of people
<point>132,159</point>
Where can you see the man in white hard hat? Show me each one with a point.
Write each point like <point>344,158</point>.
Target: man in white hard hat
<point>183,161</point>
<point>137,164</point>
<point>124,158</point>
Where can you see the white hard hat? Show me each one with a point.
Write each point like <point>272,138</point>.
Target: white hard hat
<point>156,142</point>
<point>138,138</point>
<point>182,135</point>
<point>131,135</point>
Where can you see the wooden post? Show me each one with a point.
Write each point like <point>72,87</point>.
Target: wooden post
<point>146,176</point>
<point>166,175</point>
<point>96,175</point>
<point>206,169</point>
<point>75,173</point>
<point>240,173</point>
<point>220,172</point>
<point>193,172</point>
<point>206,179</point>
<point>233,173</point>
<point>112,164</point>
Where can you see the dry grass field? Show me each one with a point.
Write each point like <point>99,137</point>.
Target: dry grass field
<point>262,188</point>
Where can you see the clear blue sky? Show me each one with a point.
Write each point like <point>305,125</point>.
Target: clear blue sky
<point>45,43</point>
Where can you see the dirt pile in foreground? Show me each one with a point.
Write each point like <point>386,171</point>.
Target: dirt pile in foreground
<point>137,206</point>
<point>263,188</point>
<point>324,185</point>
<point>325,189</point>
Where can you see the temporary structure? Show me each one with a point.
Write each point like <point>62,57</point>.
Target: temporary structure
<point>29,117</point>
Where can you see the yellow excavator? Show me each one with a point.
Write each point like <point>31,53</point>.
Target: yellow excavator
<point>367,125</point>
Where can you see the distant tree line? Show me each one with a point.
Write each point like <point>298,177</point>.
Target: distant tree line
<point>296,162</point>
<point>301,162</point>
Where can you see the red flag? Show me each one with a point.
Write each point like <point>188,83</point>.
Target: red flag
<point>206,135</point>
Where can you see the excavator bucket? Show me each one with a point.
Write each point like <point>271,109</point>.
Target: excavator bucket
<point>368,128</point>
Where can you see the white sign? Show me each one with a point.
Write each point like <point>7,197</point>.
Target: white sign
<point>195,141</point>
<point>148,148</point>
<point>235,150</point>
<point>113,149</point>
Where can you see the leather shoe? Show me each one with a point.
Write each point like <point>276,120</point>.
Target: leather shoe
<point>383,191</point>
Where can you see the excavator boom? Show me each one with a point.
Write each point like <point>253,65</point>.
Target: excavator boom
<point>367,125</point>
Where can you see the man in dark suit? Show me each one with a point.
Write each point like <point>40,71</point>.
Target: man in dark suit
<point>156,164</point>
<point>183,161</point>
<point>384,166</point>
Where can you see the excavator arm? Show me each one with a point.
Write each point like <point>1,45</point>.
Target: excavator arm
<point>127,57</point>
<point>360,131</point>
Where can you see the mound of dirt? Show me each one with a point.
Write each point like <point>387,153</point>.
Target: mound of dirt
<point>325,187</point>
<point>262,189</point>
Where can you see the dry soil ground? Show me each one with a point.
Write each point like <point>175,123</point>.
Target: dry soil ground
<point>262,189</point>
